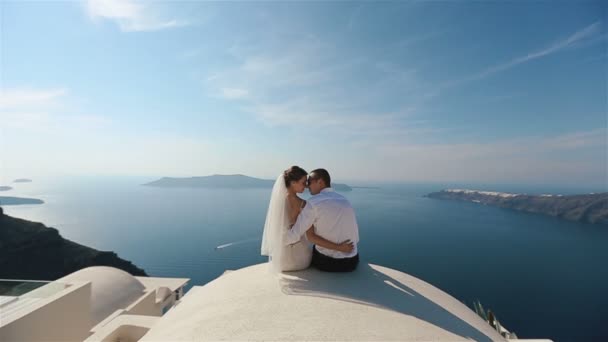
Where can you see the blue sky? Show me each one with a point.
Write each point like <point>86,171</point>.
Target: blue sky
<point>394,91</point>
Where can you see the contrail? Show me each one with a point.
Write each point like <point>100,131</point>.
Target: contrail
<point>236,243</point>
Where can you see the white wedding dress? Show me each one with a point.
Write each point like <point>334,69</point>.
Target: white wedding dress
<point>282,257</point>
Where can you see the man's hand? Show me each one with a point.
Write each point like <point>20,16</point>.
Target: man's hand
<point>346,246</point>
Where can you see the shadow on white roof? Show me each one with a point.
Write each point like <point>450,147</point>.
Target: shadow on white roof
<point>372,303</point>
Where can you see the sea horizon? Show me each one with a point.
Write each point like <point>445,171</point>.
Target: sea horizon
<point>473,252</point>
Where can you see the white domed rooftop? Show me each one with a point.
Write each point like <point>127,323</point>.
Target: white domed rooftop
<point>111,289</point>
<point>372,303</point>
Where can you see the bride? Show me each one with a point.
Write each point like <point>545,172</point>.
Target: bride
<point>283,211</point>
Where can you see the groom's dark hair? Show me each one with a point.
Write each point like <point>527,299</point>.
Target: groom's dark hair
<point>324,175</point>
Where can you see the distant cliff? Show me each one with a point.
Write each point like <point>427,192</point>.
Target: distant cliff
<point>5,188</point>
<point>22,180</point>
<point>224,181</point>
<point>591,208</point>
<point>6,200</point>
<point>30,250</point>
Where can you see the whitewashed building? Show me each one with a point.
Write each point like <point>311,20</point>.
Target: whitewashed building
<point>374,303</point>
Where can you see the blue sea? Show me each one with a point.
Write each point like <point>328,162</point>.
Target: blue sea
<point>543,277</point>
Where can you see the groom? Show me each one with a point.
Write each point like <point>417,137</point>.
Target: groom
<point>333,218</point>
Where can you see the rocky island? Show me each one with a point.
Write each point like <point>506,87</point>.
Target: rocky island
<point>22,180</point>
<point>224,181</point>
<point>590,208</point>
<point>5,188</point>
<point>5,200</point>
<point>30,250</point>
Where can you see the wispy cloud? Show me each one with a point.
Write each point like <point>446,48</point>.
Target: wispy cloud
<point>577,39</point>
<point>43,110</point>
<point>308,82</point>
<point>42,132</point>
<point>593,138</point>
<point>234,93</point>
<point>35,122</point>
<point>18,97</point>
<point>526,158</point>
<point>504,148</point>
<point>82,149</point>
<point>131,16</point>
<point>369,100</point>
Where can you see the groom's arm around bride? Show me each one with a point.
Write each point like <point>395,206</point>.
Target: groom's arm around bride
<point>334,220</point>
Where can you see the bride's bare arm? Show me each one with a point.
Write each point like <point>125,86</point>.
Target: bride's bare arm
<point>345,246</point>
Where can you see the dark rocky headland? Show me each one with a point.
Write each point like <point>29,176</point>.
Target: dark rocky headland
<point>30,250</point>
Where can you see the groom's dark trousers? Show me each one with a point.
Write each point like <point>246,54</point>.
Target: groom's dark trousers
<point>329,264</point>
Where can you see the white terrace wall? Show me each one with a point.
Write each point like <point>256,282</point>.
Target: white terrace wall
<point>61,317</point>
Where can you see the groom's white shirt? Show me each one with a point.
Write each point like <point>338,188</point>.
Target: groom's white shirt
<point>333,218</point>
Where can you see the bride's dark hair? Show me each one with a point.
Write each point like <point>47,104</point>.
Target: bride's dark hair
<point>294,173</point>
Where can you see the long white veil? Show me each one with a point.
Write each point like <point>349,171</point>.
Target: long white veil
<point>277,223</point>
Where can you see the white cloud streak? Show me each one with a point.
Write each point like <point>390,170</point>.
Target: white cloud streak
<point>234,93</point>
<point>577,39</point>
<point>308,83</point>
<point>131,16</point>
<point>15,97</point>
<point>523,159</point>
<point>42,110</point>
<point>38,139</point>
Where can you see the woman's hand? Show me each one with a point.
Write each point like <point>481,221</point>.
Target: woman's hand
<point>346,246</point>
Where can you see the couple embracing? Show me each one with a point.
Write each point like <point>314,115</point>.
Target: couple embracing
<point>321,232</point>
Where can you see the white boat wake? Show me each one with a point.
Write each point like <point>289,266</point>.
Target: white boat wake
<point>237,243</point>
